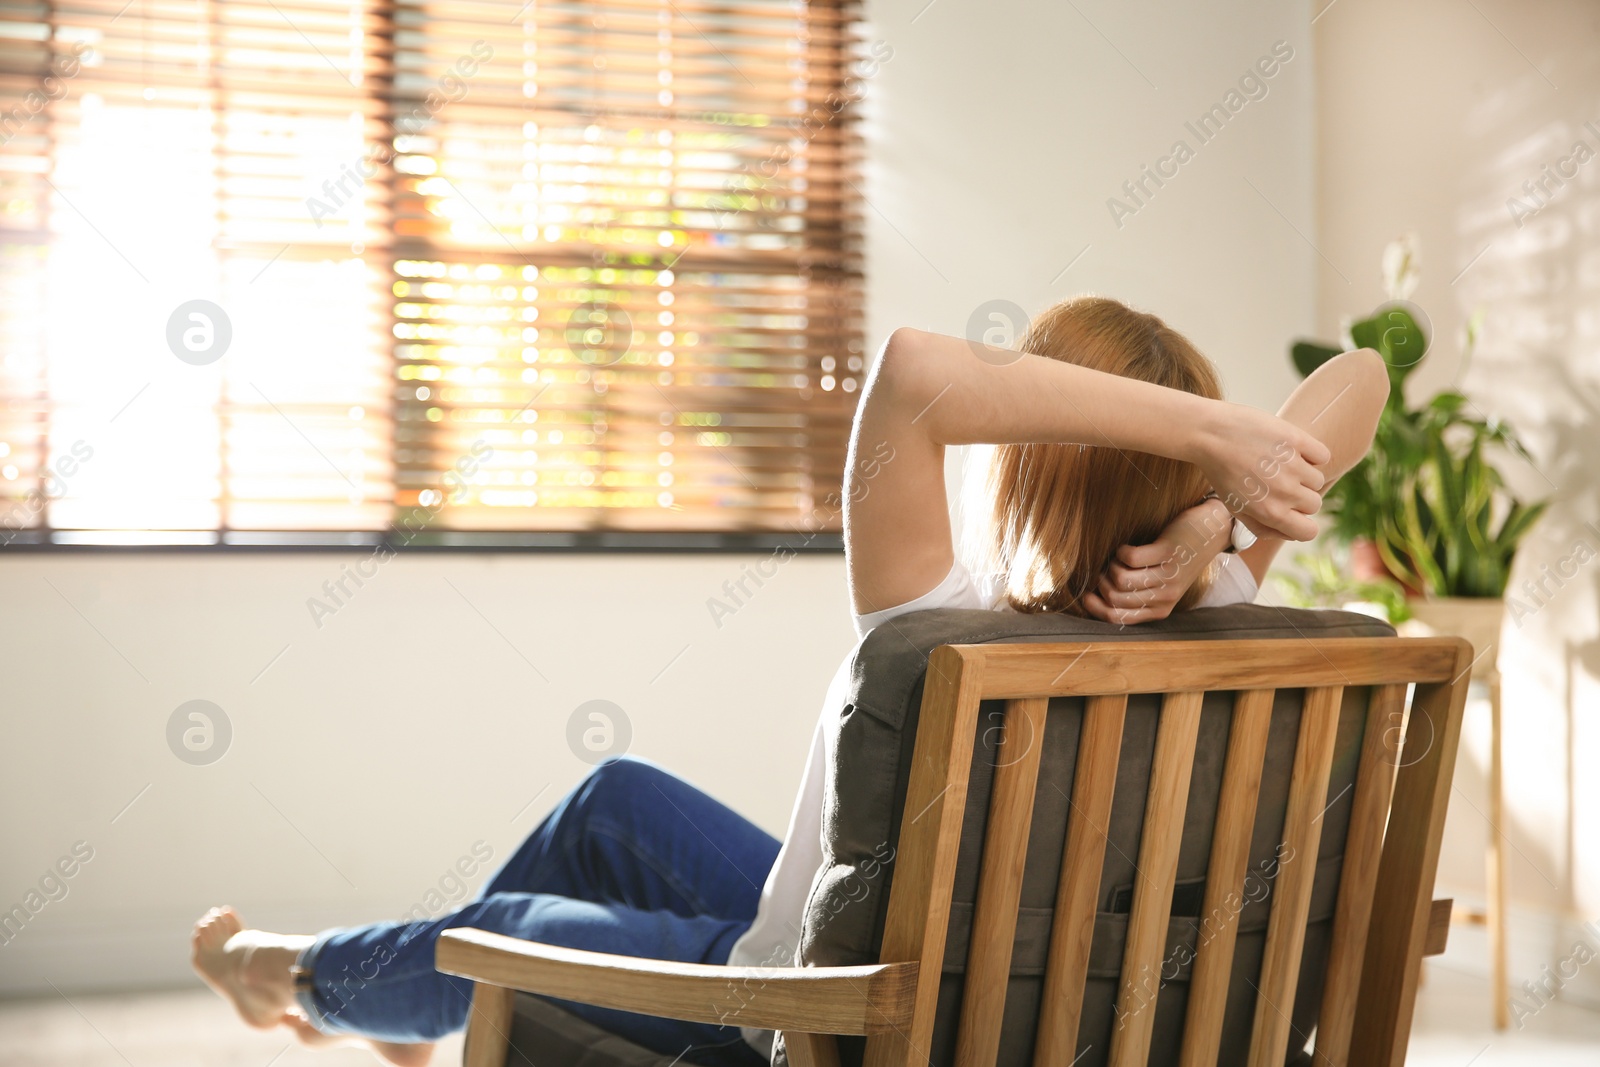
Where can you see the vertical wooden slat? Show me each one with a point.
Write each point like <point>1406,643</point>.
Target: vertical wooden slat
<point>811,1050</point>
<point>1369,810</point>
<point>1159,840</point>
<point>1005,849</point>
<point>930,832</point>
<point>488,1026</point>
<point>1082,862</point>
<point>1297,867</point>
<point>1401,904</point>
<point>1225,874</point>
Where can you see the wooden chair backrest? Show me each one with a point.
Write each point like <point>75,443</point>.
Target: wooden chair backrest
<point>1384,899</point>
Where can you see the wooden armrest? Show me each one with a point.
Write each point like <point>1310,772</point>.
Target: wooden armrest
<point>1438,933</point>
<point>826,1000</point>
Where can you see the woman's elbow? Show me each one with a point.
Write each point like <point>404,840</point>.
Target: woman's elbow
<point>903,369</point>
<point>901,354</point>
<point>1368,380</point>
<point>1370,373</point>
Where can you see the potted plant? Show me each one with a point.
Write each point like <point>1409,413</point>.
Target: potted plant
<point>1426,506</point>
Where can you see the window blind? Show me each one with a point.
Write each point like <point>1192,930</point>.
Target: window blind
<point>481,265</point>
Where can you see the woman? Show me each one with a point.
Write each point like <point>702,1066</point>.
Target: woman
<point>1112,493</point>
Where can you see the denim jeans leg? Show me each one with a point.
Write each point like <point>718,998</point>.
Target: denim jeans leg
<point>379,980</point>
<point>633,861</point>
<point>632,833</point>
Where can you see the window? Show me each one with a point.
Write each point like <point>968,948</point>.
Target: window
<point>345,265</point>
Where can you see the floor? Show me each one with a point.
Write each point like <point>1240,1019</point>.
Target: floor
<point>193,1029</point>
<point>189,1028</point>
<point>1453,1028</point>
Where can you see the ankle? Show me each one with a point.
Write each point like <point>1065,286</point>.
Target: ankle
<point>266,966</point>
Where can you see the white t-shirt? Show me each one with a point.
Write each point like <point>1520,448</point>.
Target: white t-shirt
<point>773,938</point>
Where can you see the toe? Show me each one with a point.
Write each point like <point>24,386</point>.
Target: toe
<point>208,931</point>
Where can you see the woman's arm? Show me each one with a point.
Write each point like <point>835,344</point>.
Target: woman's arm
<point>1145,582</point>
<point>927,391</point>
<point>1339,403</point>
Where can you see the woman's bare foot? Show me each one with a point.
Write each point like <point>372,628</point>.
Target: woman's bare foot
<point>249,968</point>
<point>398,1054</point>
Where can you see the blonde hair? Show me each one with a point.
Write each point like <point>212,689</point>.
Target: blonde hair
<point>1055,514</point>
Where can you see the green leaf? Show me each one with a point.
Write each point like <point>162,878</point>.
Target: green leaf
<point>1519,520</point>
<point>1421,542</point>
<point>1447,403</point>
<point>1392,544</point>
<point>1393,333</point>
<point>1451,497</point>
<point>1427,493</point>
<point>1366,333</point>
<point>1401,340</point>
<point>1307,356</point>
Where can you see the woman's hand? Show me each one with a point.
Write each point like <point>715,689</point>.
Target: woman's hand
<point>1265,469</point>
<point>1145,582</point>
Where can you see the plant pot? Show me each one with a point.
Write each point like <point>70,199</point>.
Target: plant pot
<point>1477,618</point>
<point>1367,565</point>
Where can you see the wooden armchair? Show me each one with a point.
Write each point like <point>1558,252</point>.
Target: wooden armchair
<point>1383,921</point>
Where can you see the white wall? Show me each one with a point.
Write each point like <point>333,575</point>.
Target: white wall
<point>1001,130</point>
<point>377,749</point>
<point>373,754</point>
<point>1431,116</point>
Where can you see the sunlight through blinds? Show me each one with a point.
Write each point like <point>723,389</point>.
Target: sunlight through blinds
<point>482,265</point>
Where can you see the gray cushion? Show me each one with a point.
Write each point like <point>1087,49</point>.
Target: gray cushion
<point>875,732</point>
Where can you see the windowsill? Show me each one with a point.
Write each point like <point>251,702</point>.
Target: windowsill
<point>591,541</point>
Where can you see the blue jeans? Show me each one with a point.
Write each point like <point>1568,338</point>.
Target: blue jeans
<point>633,861</point>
